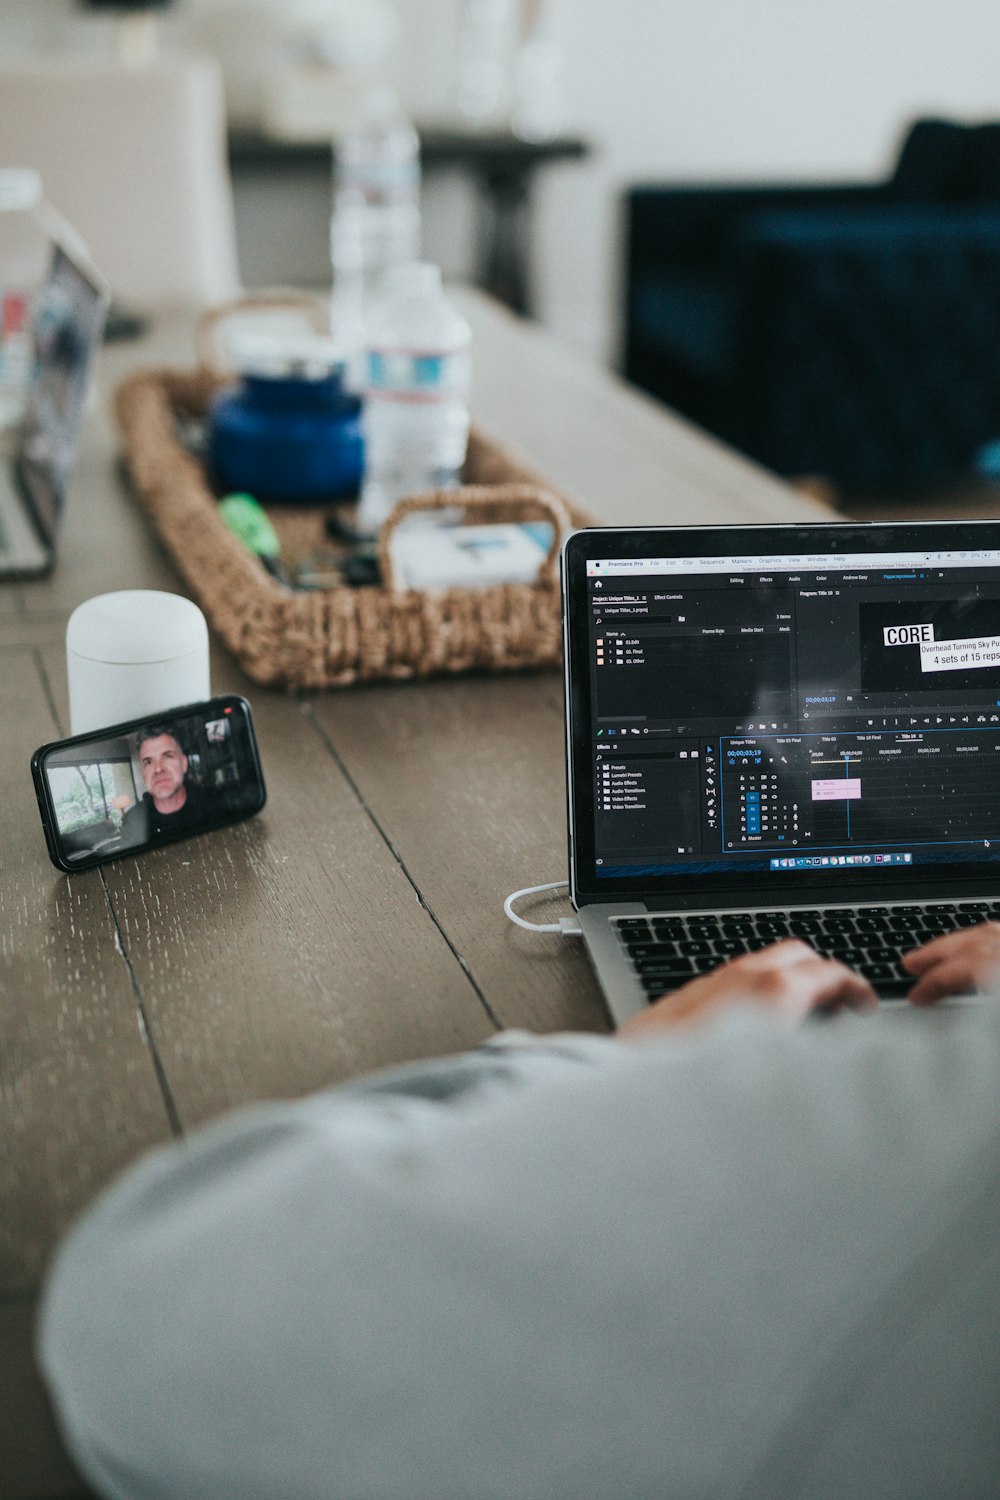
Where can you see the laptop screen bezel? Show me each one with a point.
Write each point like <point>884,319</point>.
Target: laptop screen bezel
<point>697,890</point>
<point>46,518</point>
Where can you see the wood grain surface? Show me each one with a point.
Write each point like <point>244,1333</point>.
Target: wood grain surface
<point>357,921</point>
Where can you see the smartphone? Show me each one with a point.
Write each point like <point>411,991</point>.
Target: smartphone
<point>147,782</point>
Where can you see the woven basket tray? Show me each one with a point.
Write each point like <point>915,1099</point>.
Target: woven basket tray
<point>337,636</point>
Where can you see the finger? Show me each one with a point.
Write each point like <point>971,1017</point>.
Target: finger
<point>829,982</point>
<point>788,978</point>
<point>841,988</point>
<point>800,981</point>
<point>985,938</point>
<point>728,983</point>
<point>945,979</point>
<point>784,953</point>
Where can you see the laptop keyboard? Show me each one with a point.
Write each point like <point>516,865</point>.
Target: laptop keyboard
<point>666,950</point>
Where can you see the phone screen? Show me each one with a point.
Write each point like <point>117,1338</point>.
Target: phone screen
<point>133,786</point>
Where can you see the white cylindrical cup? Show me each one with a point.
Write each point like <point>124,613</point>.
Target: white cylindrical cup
<point>133,653</point>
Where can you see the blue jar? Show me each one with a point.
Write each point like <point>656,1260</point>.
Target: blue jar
<point>288,433</point>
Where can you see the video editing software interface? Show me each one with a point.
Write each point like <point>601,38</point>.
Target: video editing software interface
<point>790,713</point>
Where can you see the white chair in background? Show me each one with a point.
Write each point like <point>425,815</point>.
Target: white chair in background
<point>135,158</point>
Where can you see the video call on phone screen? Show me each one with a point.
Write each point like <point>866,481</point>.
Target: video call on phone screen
<point>169,778</point>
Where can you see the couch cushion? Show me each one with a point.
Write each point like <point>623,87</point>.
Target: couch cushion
<point>684,317</point>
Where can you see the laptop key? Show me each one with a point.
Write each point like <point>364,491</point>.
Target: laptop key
<point>661,984</point>
<point>854,958</point>
<point>864,923</point>
<point>638,951</point>
<point>891,988</point>
<point>658,984</point>
<point>651,966</point>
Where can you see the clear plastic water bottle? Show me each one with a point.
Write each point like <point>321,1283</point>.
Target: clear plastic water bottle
<point>348,300</point>
<point>483,54</point>
<point>416,412</point>
<point>376,208</point>
<point>25,247</point>
<point>536,113</point>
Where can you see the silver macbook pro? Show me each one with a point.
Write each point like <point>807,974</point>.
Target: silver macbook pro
<point>37,466</point>
<point>780,730</point>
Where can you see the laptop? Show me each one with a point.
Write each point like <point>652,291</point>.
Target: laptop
<point>780,731</point>
<point>37,467</point>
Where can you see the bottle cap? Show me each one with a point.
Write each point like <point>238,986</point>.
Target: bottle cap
<point>302,356</point>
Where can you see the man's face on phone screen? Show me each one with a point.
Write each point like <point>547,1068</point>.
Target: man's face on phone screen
<point>163,764</point>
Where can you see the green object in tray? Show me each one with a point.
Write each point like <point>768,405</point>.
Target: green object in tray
<point>250,522</point>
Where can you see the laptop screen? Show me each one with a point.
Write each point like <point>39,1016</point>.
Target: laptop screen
<point>68,325</point>
<point>780,710</point>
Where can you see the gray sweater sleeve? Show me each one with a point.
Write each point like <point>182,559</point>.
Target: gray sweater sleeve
<point>739,1262</point>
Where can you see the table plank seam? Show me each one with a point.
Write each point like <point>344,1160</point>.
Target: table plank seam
<point>47,690</point>
<point>145,1029</point>
<point>369,812</point>
<point>163,1083</point>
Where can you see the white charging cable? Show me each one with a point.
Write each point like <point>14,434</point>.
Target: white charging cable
<point>566,926</point>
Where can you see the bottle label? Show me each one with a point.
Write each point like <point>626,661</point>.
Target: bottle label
<point>381,182</point>
<point>16,339</point>
<point>419,375</point>
<point>15,314</point>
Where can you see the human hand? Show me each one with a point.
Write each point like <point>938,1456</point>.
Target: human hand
<point>788,978</point>
<point>957,963</point>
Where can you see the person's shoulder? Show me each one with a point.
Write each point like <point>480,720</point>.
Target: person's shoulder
<point>135,820</point>
<point>138,809</point>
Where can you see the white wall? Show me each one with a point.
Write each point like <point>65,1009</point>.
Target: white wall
<point>741,89</point>
<point>685,89</point>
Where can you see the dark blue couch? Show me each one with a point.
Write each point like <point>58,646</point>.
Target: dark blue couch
<point>849,331</point>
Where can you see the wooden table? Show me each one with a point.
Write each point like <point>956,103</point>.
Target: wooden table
<point>357,922</point>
